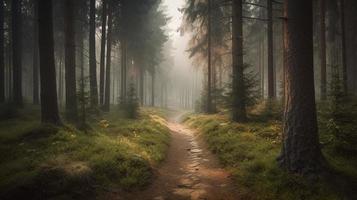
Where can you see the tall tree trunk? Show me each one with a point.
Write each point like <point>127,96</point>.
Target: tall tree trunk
<point>92,57</point>
<point>102,52</point>
<point>271,80</point>
<point>109,60</point>
<point>343,38</point>
<point>239,104</point>
<point>16,52</point>
<point>351,43</point>
<point>123,71</point>
<point>70,63</point>
<point>61,82</point>
<point>323,48</point>
<point>153,88</point>
<point>35,73</point>
<point>141,82</point>
<point>301,149</point>
<point>2,57</point>
<point>82,30</point>
<point>209,63</point>
<point>49,107</point>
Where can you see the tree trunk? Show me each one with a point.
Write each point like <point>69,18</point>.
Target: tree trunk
<point>49,107</point>
<point>343,38</point>
<point>2,57</point>
<point>153,88</point>
<point>92,58</point>
<point>81,38</point>
<point>323,48</point>
<point>271,80</point>
<point>109,57</point>
<point>35,73</point>
<point>351,43</point>
<point>60,87</point>
<point>238,90</point>
<point>102,53</point>
<point>141,86</point>
<point>301,149</point>
<point>70,63</point>
<point>123,71</point>
<point>16,52</point>
<point>209,63</point>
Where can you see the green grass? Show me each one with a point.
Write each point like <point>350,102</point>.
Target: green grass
<point>42,162</point>
<point>249,151</point>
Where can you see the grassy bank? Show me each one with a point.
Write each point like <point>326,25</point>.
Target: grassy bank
<point>43,162</point>
<point>249,151</point>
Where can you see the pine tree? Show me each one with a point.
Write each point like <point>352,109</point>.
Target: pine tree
<point>301,151</point>
<point>49,107</point>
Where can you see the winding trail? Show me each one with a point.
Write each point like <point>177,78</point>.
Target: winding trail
<point>190,171</point>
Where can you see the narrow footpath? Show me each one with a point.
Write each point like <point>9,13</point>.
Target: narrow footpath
<point>190,171</point>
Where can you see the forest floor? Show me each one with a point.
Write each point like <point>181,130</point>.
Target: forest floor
<point>249,151</point>
<point>45,162</point>
<point>190,171</point>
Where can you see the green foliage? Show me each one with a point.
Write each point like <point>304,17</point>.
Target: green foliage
<point>341,117</point>
<point>249,151</point>
<point>83,97</point>
<point>130,105</point>
<point>251,87</point>
<point>62,162</point>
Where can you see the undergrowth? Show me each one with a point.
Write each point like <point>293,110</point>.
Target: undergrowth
<point>43,162</point>
<point>249,150</point>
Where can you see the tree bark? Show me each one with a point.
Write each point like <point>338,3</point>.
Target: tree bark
<point>92,58</point>
<point>323,49</point>
<point>109,57</point>
<point>238,90</point>
<point>16,52</point>
<point>301,149</point>
<point>2,57</point>
<point>49,107</point>
<point>141,92</point>
<point>70,63</point>
<point>271,80</point>
<point>153,88</point>
<point>351,43</point>
<point>343,39</point>
<point>209,63</point>
<point>35,73</point>
<point>123,46</point>
<point>102,52</point>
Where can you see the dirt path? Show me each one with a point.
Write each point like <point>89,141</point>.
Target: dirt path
<point>190,171</point>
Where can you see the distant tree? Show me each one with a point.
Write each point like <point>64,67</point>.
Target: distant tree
<point>301,151</point>
<point>16,52</point>
<point>49,107</point>
<point>70,62</point>
<point>106,106</point>
<point>132,103</point>
<point>209,104</point>
<point>2,56</point>
<point>35,57</point>
<point>271,80</point>
<point>351,44</point>
<point>102,51</point>
<point>343,39</point>
<point>92,57</point>
<point>323,49</point>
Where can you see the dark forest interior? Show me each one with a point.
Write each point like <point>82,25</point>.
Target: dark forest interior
<point>178,99</point>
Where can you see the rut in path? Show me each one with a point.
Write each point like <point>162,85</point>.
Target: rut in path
<point>190,171</point>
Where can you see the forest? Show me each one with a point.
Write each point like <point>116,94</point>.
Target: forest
<point>178,99</point>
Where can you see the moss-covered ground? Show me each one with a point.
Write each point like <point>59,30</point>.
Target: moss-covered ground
<point>46,162</point>
<point>249,150</point>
